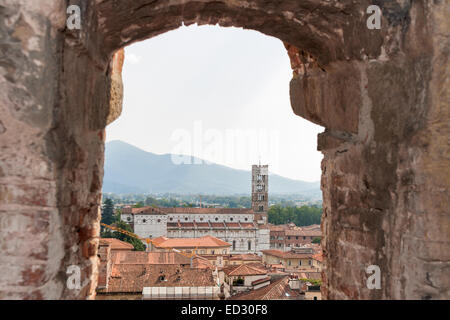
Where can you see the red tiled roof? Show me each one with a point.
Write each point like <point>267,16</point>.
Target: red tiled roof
<point>246,257</point>
<point>217,225</point>
<point>203,242</point>
<point>117,244</point>
<point>202,224</point>
<point>259,281</point>
<point>232,225</point>
<point>201,263</point>
<point>141,257</point>
<point>133,278</point>
<point>318,256</point>
<point>247,225</point>
<point>287,255</point>
<point>277,290</point>
<point>159,239</point>
<point>143,210</point>
<point>244,270</point>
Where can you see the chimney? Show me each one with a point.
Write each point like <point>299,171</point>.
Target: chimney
<point>294,284</point>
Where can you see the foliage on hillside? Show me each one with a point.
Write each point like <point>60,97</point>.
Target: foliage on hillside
<point>301,216</point>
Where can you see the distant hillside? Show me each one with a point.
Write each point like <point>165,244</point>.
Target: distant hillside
<point>131,170</point>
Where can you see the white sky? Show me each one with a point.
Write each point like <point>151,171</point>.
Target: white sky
<point>187,89</point>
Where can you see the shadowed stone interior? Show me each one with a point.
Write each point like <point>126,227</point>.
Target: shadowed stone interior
<point>382,95</point>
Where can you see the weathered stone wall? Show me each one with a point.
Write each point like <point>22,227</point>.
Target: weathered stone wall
<point>385,185</point>
<point>382,96</point>
<point>116,100</point>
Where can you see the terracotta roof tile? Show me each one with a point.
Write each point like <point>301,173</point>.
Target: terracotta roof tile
<point>141,257</point>
<point>259,281</point>
<point>246,257</point>
<point>133,278</point>
<point>202,224</point>
<point>217,224</point>
<point>318,256</point>
<point>287,255</point>
<point>277,290</point>
<point>232,225</point>
<point>244,270</point>
<point>247,225</point>
<point>144,210</point>
<point>117,244</point>
<point>203,242</point>
<point>160,239</point>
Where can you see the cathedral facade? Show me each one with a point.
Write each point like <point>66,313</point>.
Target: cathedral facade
<point>245,229</point>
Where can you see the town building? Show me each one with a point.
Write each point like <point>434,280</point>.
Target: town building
<point>231,259</point>
<point>285,288</point>
<point>127,274</point>
<point>245,229</point>
<point>287,236</point>
<point>313,293</point>
<point>244,277</point>
<point>116,244</point>
<point>297,258</point>
<point>206,245</point>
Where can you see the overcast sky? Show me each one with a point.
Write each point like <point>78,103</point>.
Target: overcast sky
<point>221,94</point>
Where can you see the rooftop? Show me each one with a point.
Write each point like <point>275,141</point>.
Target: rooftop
<point>287,255</point>
<point>246,257</point>
<point>277,290</point>
<point>189,210</point>
<point>116,244</point>
<point>141,257</point>
<point>203,242</point>
<point>207,210</point>
<point>133,278</point>
<point>245,270</point>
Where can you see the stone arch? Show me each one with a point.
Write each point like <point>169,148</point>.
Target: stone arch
<point>378,93</point>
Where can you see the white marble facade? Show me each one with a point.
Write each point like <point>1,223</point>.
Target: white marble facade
<point>235,226</point>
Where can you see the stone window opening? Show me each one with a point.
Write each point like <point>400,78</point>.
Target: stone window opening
<point>323,59</point>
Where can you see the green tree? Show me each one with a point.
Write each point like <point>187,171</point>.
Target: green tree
<point>137,244</point>
<point>108,211</point>
<point>301,216</point>
<point>140,204</point>
<point>316,240</point>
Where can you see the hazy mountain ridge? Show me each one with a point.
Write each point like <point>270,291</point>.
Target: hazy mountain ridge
<point>129,169</point>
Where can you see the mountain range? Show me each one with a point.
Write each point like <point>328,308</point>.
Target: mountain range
<point>129,169</point>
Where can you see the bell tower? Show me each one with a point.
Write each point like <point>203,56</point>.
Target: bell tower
<point>260,189</point>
